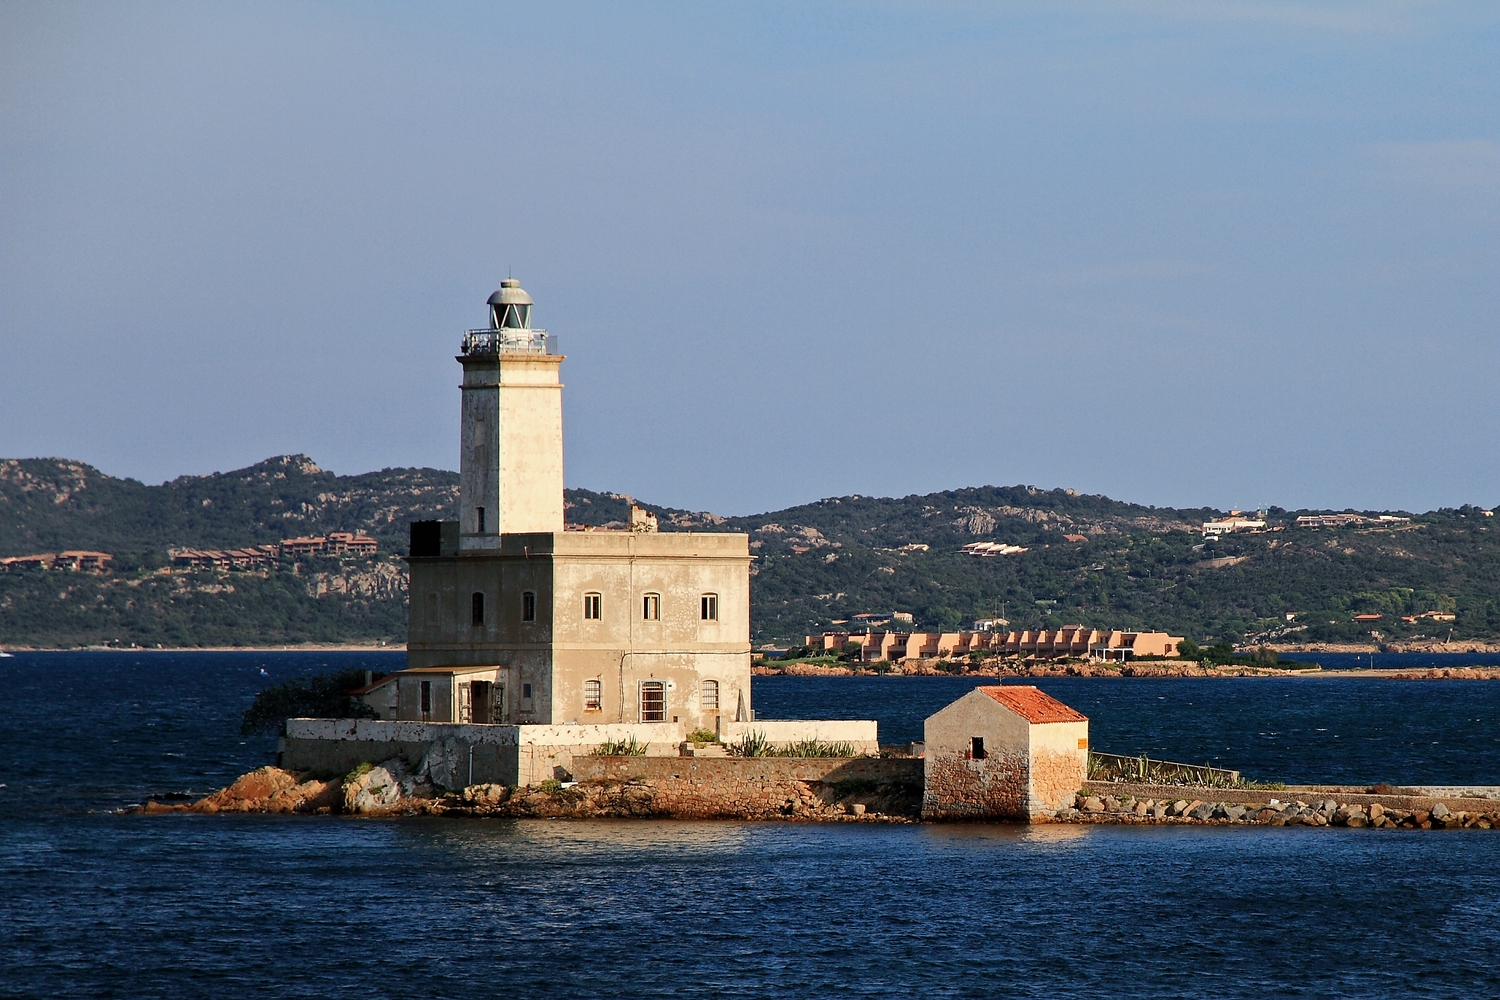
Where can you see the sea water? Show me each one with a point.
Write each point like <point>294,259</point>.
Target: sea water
<point>98,904</point>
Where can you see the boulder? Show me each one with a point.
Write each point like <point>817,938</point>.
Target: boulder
<point>486,796</point>
<point>381,789</point>
<point>1203,812</point>
<point>1235,812</point>
<point>1376,812</point>
<point>1092,805</point>
<point>1178,808</point>
<point>250,793</point>
<point>1439,811</point>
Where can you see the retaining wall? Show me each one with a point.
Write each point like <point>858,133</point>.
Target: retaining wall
<point>746,788</point>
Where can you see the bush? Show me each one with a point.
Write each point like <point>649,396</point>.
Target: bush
<point>702,736</point>
<point>621,748</point>
<point>323,696</point>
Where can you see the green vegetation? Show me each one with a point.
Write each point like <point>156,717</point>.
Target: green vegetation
<point>817,564</point>
<point>755,744</point>
<point>702,737</point>
<point>621,748</point>
<point>322,696</point>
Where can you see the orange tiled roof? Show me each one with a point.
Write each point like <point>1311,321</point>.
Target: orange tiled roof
<point>1033,704</point>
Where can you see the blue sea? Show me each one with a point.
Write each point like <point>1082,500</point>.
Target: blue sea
<point>96,904</point>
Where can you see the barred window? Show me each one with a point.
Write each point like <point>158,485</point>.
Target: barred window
<point>711,695</point>
<point>591,606</point>
<point>653,701</point>
<point>593,696</point>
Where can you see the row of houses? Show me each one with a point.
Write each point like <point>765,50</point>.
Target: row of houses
<point>336,543</point>
<point>1342,520</point>
<point>75,560</point>
<point>1070,641</point>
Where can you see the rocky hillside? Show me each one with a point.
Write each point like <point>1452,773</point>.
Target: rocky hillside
<point>1087,559</point>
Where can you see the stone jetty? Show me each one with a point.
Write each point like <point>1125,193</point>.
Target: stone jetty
<point>1185,806</point>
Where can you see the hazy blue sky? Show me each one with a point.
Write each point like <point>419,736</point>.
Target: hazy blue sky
<point>1178,253</point>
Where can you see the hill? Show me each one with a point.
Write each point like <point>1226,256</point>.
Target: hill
<point>1088,559</point>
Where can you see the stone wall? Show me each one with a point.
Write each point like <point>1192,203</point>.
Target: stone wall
<point>756,787</point>
<point>958,787</point>
<point>507,755</point>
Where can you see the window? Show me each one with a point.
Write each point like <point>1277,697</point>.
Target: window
<point>479,516</point>
<point>525,692</point>
<point>976,747</point>
<point>476,609</point>
<point>653,701</point>
<point>593,696</point>
<point>651,608</point>
<point>426,698</point>
<point>710,697</point>
<point>591,604</point>
<point>528,606</point>
<point>710,608</point>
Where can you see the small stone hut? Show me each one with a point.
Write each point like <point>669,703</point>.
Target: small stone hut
<point>1008,752</point>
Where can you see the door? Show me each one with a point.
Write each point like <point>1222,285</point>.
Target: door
<point>465,703</point>
<point>480,699</point>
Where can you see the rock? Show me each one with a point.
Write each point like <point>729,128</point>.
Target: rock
<point>1178,808</point>
<point>1328,806</point>
<point>380,789</point>
<point>1141,809</point>
<point>1235,812</point>
<point>1376,812</point>
<point>486,795</point>
<point>1357,820</point>
<point>1092,805</point>
<point>856,809</point>
<point>1439,811</point>
<point>1159,811</point>
<point>1202,812</point>
<point>248,794</point>
<point>1420,816</point>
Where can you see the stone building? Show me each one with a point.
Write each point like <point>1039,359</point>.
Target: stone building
<point>586,627</point>
<point>1005,752</point>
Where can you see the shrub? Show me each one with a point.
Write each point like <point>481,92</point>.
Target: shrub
<point>702,736</point>
<point>550,787</point>
<point>621,748</point>
<point>324,696</point>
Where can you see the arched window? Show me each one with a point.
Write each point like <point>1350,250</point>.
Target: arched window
<point>709,607</point>
<point>651,608</point>
<point>593,696</point>
<point>592,607</point>
<point>710,696</point>
<point>476,609</point>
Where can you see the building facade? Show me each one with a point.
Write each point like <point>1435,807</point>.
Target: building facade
<point>572,627</point>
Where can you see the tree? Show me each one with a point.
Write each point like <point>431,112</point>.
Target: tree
<point>323,696</point>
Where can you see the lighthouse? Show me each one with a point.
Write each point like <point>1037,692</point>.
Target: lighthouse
<point>511,445</point>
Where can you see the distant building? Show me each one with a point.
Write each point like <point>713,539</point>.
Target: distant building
<point>1367,618</point>
<point>337,543</point>
<point>1232,524</point>
<point>1070,641</point>
<point>1343,520</point>
<point>74,560</point>
<point>991,549</point>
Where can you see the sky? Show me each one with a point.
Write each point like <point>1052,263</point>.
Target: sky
<point>1185,254</point>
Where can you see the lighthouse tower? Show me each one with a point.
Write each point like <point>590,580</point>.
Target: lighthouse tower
<point>511,460</point>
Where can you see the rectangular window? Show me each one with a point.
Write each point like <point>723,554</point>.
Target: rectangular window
<point>528,607</point>
<point>651,608</point>
<point>476,609</point>
<point>653,701</point>
<point>479,515</point>
<point>427,697</point>
<point>976,747</point>
<point>710,607</point>
<point>525,692</point>
<point>710,696</point>
<point>593,696</point>
<point>591,607</point>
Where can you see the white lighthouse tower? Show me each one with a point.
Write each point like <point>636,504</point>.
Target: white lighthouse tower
<point>511,463</point>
